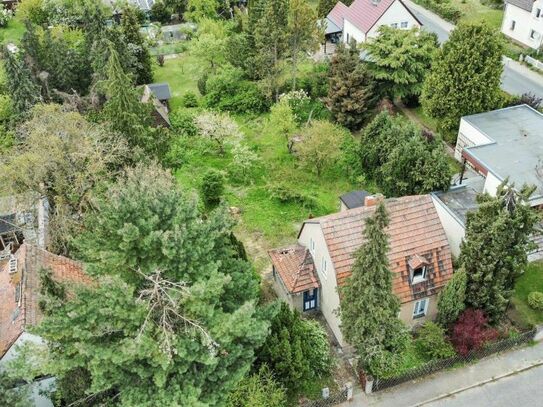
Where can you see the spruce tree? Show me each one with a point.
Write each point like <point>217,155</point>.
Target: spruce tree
<point>494,251</point>
<point>465,76</point>
<point>369,309</point>
<point>20,84</point>
<point>130,27</point>
<point>171,319</point>
<point>452,298</point>
<point>351,95</point>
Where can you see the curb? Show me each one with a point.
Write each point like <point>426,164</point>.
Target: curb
<point>481,383</point>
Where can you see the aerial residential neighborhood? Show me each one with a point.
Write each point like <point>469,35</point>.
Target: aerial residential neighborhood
<point>271,203</point>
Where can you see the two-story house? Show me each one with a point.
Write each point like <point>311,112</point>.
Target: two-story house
<point>308,274</point>
<point>523,22</point>
<point>362,19</point>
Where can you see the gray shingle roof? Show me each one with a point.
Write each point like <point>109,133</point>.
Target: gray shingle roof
<point>523,4</point>
<point>354,199</point>
<point>161,90</point>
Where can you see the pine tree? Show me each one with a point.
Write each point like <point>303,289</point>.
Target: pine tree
<point>302,32</point>
<point>494,252</point>
<point>171,319</point>
<point>369,309</point>
<point>351,95</point>
<point>20,84</point>
<point>325,6</point>
<point>451,301</point>
<point>465,76</point>
<point>400,60</point>
<point>130,28</point>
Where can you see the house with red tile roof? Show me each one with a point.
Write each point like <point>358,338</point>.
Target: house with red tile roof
<point>362,19</point>
<point>20,291</point>
<point>307,274</point>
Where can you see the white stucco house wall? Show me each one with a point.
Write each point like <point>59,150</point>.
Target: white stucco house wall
<point>362,19</point>
<point>523,22</point>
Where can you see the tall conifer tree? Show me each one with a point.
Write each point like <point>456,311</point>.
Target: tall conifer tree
<point>22,88</point>
<point>369,309</point>
<point>494,252</point>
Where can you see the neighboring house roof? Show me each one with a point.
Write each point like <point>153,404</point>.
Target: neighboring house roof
<point>515,145</point>
<point>295,266</point>
<point>354,199</point>
<point>363,14</point>
<point>160,111</point>
<point>337,14</point>
<point>161,91</point>
<point>20,291</point>
<point>523,4</point>
<point>414,230</point>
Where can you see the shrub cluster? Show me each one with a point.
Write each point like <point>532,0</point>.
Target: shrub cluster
<point>535,300</point>
<point>432,343</point>
<point>289,194</point>
<point>472,331</point>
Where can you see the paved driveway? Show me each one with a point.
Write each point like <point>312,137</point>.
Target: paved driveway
<point>516,78</point>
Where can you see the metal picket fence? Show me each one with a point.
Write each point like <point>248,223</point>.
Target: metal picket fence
<point>333,399</point>
<point>437,365</point>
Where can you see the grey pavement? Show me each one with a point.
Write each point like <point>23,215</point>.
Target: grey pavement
<point>429,388</point>
<point>516,78</point>
<point>520,390</point>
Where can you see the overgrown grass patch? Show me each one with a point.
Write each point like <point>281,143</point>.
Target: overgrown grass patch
<point>530,280</point>
<point>475,11</point>
<point>13,32</point>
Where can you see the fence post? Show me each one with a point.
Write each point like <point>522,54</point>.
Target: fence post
<point>349,387</point>
<point>369,384</point>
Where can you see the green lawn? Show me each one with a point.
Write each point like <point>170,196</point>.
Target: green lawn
<point>264,221</point>
<point>13,32</point>
<point>182,74</point>
<point>531,280</point>
<point>475,11</point>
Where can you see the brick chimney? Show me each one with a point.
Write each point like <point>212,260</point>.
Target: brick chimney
<point>372,200</point>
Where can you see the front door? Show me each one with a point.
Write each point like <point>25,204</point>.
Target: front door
<point>310,299</point>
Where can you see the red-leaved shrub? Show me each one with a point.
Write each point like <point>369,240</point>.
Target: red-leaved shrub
<point>471,331</point>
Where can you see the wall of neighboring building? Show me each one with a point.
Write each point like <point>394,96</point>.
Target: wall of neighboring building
<point>328,296</point>
<point>406,312</point>
<point>468,136</point>
<point>454,228</point>
<point>396,14</point>
<point>527,29</point>
<point>351,32</point>
<point>491,184</point>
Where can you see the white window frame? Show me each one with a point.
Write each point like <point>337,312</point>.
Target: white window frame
<point>418,279</point>
<point>404,24</point>
<point>421,308</point>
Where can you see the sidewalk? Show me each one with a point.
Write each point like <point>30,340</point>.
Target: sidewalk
<point>522,69</point>
<point>428,388</point>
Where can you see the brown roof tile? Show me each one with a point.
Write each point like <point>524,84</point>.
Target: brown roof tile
<point>414,230</point>
<point>16,315</point>
<point>295,266</point>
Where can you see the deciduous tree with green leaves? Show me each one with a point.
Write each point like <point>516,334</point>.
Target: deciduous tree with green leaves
<point>400,60</point>
<point>494,251</point>
<point>302,33</point>
<point>351,94</point>
<point>465,76</point>
<point>183,300</point>
<point>369,309</point>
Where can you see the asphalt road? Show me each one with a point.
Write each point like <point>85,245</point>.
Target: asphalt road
<point>523,389</point>
<point>514,81</point>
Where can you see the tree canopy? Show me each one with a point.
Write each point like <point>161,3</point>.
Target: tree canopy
<point>465,76</point>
